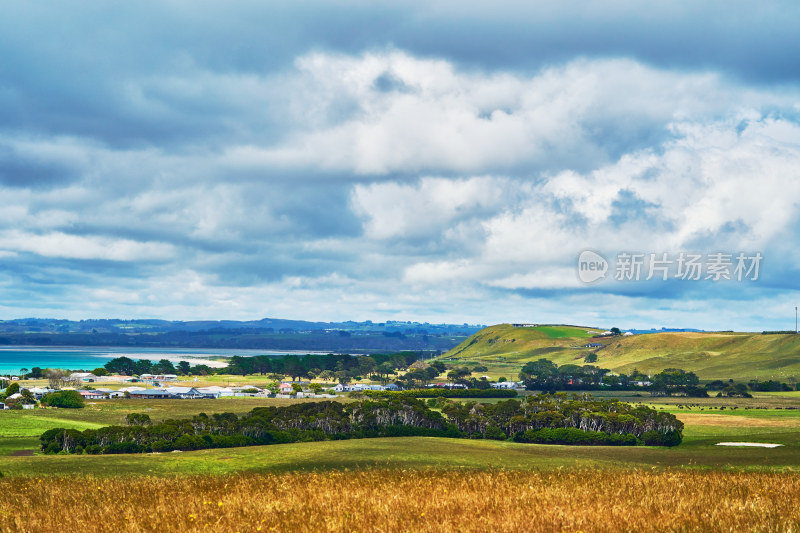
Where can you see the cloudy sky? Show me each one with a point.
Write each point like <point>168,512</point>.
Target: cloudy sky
<point>409,160</point>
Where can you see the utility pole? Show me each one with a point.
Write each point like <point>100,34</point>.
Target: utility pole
<point>795,320</point>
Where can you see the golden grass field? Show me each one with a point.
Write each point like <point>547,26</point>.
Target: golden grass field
<point>408,500</point>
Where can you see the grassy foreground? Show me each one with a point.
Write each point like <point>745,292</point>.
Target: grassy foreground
<point>399,500</point>
<point>411,483</point>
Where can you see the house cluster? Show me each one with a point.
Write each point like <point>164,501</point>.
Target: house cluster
<point>508,385</point>
<point>88,377</point>
<point>183,393</point>
<point>361,387</point>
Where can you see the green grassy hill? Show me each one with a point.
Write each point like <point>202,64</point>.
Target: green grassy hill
<point>740,356</point>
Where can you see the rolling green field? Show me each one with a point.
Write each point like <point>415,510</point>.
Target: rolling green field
<point>426,484</point>
<point>739,356</point>
<point>761,419</point>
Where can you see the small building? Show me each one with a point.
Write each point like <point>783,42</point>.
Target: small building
<point>184,392</point>
<point>215,391</point>
<point>150,394</point>
<point>123,390</point>
<point>39,392</point>
<point>593,345</point>
<point>91,394</point>
<point>505,385</point>
<point>363,387</point>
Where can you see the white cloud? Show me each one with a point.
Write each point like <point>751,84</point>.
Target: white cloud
<point>394,210</point>
<point>78,247</point>
<point>439,118</point>
<point>717,186</point>
<point>388,183</point>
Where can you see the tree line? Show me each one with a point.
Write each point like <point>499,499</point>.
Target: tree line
<point>582,420</point>
<point>342,368</point>
<point>544,375</point>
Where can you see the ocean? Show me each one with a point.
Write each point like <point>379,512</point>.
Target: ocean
<point>13,359</point>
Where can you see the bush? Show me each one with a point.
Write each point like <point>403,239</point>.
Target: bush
<point>575,436</point>
<point>65,399</point>
<point>654,438</point>
<point>12,389</point>
<point>494,433</point>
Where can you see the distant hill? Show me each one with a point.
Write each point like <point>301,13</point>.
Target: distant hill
<point>265,334</point>
<point>711,355</point>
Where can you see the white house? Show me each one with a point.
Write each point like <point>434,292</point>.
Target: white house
<point>91,394</point>
<point>123,390</point>
<point>363,387</point>
<point>505,385</point>
<point>183,392</point>
<point>39,392</point>
<point>215,391</point>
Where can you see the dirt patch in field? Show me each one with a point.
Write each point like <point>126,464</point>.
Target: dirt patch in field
<point>698,419</point>
<point>22,453</point>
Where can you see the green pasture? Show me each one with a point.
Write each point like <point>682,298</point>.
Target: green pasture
<point>712,355</point>
<point>19,431</point>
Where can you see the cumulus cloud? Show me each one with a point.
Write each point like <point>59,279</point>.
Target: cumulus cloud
<point>441,119</point>
<point>78,247</point>
<point>364,180</point>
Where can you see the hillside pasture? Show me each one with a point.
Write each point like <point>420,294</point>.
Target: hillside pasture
<point>738,356</point>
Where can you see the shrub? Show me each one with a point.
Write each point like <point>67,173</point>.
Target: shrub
<point>654,438</point>
<point>66,399</point>
<point>494,433</point>
<point>575,436</point>
<point>12,389</point>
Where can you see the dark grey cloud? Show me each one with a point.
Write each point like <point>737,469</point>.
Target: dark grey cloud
<point>30,170</point>
<point>99,70</point>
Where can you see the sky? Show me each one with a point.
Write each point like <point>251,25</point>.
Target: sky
<point>407,160</point>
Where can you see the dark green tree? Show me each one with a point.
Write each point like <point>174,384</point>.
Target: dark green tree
<point>121,365</point>
<point>66,399</point>
<point>184,368</point>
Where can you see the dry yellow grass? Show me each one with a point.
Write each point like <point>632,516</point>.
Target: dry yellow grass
<point>393,500</point>
<point>699,419</point>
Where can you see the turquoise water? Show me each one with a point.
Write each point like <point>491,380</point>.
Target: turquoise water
<point>12,360</point>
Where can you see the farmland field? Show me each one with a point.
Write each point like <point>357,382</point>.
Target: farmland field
<point>337,485</point>
<point>573,499</point>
